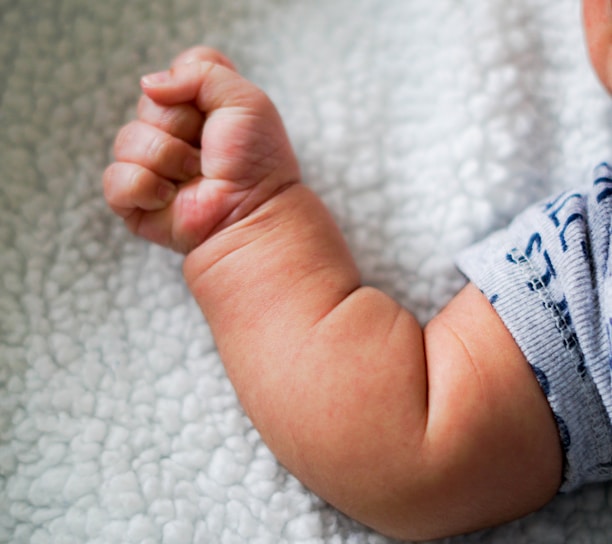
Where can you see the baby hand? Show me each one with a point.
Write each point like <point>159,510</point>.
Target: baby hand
<point>207,149</point>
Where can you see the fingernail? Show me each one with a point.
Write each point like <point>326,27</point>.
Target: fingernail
<point>158,78</point>
<point>191,60</point>
<point>166,192</point>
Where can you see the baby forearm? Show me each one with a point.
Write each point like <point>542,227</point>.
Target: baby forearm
<point>319,363</point>
<point>265,281</point>
<point>281,269</point>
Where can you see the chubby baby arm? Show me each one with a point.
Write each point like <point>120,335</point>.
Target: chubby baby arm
<point>418,434</point>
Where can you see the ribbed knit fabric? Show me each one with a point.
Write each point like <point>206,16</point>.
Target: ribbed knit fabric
<point>548,277</point>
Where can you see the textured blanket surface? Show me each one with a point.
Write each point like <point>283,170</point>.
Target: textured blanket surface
<point>423,125</point>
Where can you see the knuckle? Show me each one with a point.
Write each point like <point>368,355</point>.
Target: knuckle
<point>109,182</point>
<point>157,148</point>
<point>204,68</point>
<point>114,190</point>
<point>124,138</point>
<point>196,53</point>
<point>121,183</point>
<point>260,100</point>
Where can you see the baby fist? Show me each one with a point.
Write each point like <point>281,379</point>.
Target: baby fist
<point>207,149</point>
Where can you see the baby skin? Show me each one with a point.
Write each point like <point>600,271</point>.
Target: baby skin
<point>417,433</point>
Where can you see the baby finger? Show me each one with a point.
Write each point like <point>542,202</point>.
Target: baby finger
<point>201,53</point>
<point>169,157</point>
<point>183,121</point>
<point>129,186</point>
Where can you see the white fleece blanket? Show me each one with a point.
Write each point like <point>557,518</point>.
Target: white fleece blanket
<point>423,124</point>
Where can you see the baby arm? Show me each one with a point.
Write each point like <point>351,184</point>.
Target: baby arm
<point>418,434</point>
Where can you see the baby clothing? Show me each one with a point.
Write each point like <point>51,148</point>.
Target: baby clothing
<point>549,277</point>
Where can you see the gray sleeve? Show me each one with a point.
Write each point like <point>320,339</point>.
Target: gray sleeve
<point>547,276</point>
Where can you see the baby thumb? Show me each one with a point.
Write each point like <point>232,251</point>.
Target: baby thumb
<point>208,85</point>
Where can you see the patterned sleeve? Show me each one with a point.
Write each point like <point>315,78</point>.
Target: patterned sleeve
<point>548,277</point>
